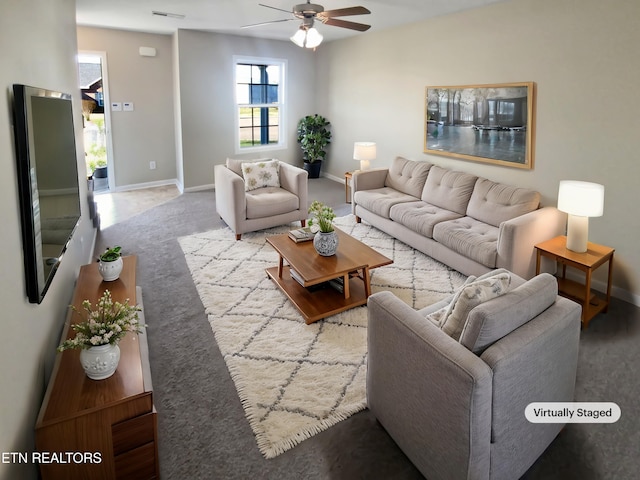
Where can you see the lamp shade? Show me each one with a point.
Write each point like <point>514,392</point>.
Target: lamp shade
<point>365,152</point>
<point>299,37</point>
<point>314,38</point>
<point>307,37</point>
<point>584,199</point>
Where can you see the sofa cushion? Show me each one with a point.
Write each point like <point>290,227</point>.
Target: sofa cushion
<point>270,201</point>
<point>469,237</point>
<point>448,189</point>
<point>452,318</point>
<point>489,322</point>
<point>420,216</point>
<point>407,176</point>
<point>235,164</point>
<point>494,203</point>
<point>261,174</point>
<point>380,200</point>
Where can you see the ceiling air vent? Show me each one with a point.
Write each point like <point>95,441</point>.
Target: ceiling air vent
<point>167,14</point>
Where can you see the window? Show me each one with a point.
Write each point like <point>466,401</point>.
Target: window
<point>259,104</point>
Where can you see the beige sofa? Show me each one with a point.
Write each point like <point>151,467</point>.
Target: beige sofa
<point>470,223</point>
<point>248,211</point>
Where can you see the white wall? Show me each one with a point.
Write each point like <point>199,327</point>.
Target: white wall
<point>38,43</point>
<point>206,91</point>
<point>582,56</point>
<point>146,134</point>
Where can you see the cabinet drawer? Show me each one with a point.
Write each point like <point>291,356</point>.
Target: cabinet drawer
<point>137,464</point>
<point>133,433</point>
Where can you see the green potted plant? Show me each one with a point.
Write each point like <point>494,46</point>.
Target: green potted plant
<point>99,335</point>
<point>110,263</point>
<point>326,239</point>
<point>313,137</point>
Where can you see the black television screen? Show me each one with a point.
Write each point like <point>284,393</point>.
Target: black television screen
<point>47,168</point>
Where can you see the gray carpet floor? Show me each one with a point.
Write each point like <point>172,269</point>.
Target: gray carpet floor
<point>203,433</point>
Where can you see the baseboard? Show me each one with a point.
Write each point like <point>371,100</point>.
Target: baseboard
<point>199,188</point>
<point>616,292</point>
<point>333,177</point>
<point>140,186</point>
<point>601,287</point>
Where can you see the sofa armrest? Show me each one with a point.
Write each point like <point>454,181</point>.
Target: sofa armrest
<point>366,180</point>
<point>518,236</point>
<point>369,179</point>
<point>231,203</point>
<point>431,394</point>
<point>294,179</point>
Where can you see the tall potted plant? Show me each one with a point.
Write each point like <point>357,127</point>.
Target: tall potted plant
<point>313,137</point>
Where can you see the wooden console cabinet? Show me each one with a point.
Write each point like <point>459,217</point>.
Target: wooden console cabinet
<point>104,429</point>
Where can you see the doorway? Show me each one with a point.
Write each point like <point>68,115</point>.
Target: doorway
<point>96,119</point>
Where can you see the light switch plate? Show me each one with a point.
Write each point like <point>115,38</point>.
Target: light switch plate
<point>127,106</point>
<point>116,107</point>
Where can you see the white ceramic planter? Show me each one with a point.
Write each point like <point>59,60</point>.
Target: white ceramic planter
<point>110,271</point>
<point>101,361</point>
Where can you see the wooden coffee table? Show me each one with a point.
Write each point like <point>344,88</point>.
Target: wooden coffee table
<point>352,262</point>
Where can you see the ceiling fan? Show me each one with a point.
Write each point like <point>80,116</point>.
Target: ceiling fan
<point>307,36</point>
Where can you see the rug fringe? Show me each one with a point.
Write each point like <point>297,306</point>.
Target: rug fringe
<point>270,449</point>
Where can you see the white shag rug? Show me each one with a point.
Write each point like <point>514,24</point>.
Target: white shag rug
<point>296,380</point>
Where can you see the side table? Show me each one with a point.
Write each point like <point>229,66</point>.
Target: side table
<point>347,184</point>
<point>587,262</point>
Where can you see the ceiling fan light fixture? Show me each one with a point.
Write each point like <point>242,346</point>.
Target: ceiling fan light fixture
<point>314,38</point>
<point>299,37</point>
<point>307,37</point>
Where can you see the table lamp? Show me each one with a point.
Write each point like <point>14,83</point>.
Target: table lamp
<point>580,200</point>
<point>365,152</point>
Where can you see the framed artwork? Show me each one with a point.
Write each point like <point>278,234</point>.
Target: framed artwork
<point>482,123</point>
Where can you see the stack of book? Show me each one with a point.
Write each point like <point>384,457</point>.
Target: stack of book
<point>296,276</point>
<point>301,235</point>
<point>336,283</point>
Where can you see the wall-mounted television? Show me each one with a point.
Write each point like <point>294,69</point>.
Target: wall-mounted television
<point>47,168</point>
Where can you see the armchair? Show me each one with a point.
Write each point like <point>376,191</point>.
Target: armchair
<point>456,408</point>
<point>248,211</point>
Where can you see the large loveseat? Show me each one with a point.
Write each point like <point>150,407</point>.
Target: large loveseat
<point>470,223</point>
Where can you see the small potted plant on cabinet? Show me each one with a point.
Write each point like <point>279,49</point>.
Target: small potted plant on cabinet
<point>313,137</point>
<point>110,264</point>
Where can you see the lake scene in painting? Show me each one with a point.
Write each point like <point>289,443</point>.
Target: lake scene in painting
<point>486,122</point>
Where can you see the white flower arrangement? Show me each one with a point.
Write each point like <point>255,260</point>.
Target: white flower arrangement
<point>107,324</point>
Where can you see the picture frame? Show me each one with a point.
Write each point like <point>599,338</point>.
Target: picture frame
<point>482,123</point>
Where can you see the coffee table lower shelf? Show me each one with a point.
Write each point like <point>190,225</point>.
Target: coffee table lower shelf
<point>318,304</point>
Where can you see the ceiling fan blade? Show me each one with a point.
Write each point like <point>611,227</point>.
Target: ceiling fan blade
<point>344,12</point>
<point>361,27</point>
<point>267,23</point>
<point>275,8</point>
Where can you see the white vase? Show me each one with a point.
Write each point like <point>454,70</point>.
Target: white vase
<point>326,243</point>
<point>101,361</point>
<point>110,271</point>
